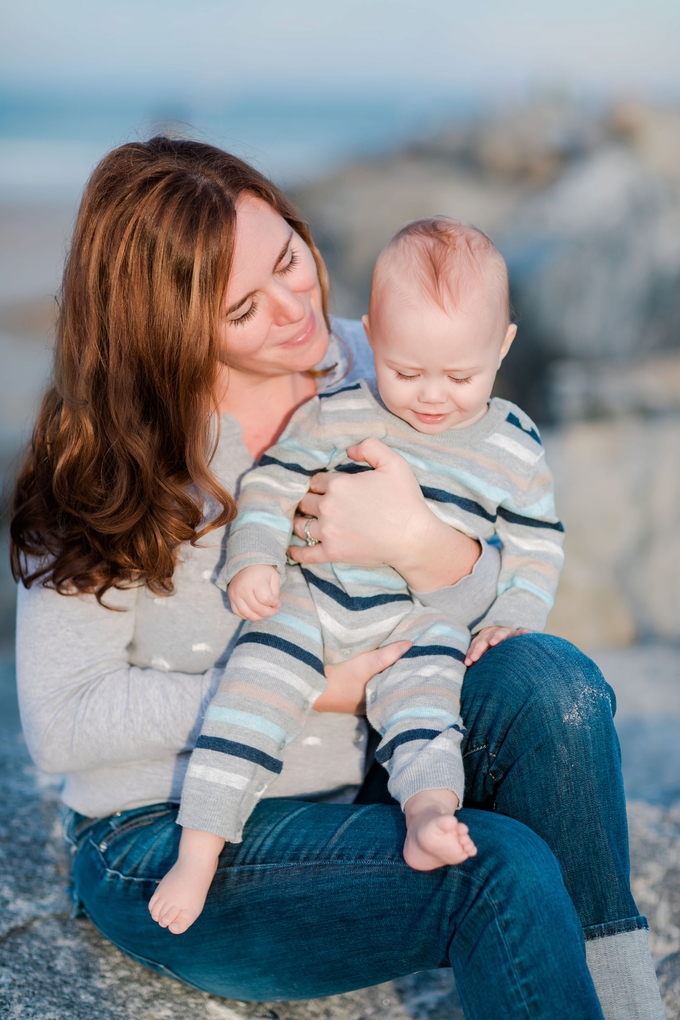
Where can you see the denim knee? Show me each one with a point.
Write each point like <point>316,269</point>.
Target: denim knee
<point>556,678</point>
<point>516,866</point>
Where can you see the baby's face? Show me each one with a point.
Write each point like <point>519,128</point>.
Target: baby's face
<point>436,369</point>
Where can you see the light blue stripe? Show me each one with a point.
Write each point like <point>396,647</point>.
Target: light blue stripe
<point>521,582</point>
<point>304,628</point>
<point>366,577</point>
<point>501,497</point>
<point>445,631</point>
<point>423,713</point>
<point>247,722</point>
<point>323,456</point>
<point>259,517</point>
<point>473,482</point>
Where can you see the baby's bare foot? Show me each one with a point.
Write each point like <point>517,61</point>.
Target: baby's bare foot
<point>433,840</point>
<point>180,896</point>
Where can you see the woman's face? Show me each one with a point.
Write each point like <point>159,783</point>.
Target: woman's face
<point>272,320</point>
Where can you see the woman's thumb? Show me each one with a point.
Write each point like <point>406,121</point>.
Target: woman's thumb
<point>382,658</point>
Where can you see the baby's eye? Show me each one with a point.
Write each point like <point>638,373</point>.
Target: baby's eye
<point>400,375</point>
<point>461,381</point>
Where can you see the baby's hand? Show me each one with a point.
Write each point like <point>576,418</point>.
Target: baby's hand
<point>487,638</point>
<point>434,836</point>
<point>254,592</point>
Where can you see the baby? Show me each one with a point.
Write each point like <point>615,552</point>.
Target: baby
<point>439,327</point>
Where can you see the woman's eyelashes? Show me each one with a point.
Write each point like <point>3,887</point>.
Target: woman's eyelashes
<point>291,263</point>
<point>293,260</point>
<point>245,316</point>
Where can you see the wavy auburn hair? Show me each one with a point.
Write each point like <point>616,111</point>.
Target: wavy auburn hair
<point>118,470</point>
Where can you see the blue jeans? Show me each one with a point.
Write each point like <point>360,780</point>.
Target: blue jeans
<point>317,899</point>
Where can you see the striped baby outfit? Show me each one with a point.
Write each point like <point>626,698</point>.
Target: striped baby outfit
<point>489,480</point>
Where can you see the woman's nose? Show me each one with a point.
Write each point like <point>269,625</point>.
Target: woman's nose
<point>288,306</point>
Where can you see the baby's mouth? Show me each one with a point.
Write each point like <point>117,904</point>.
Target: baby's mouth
<point>430,419</point>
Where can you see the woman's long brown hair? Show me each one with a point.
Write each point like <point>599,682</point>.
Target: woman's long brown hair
<point>118,471</point>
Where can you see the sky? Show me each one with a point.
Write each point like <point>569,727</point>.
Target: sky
<point>204,47</point>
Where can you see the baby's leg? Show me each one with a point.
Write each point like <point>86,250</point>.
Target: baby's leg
<point>274,676</point>
<point>415,706</point>
<point>180,896</point>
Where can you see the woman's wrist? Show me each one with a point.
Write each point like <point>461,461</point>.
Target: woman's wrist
<point>436,555</point>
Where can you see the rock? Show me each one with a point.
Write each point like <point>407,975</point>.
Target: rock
<point>580,390</point>
<point>594,264</point>
<point>618,493</point>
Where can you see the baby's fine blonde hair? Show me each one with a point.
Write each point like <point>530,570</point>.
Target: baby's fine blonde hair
<point>446,258</point>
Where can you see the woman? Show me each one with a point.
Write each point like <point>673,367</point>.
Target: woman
<point>193,286</point>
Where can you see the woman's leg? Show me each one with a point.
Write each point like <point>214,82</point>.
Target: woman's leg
<point>541,747</point>
<point>318,900</point>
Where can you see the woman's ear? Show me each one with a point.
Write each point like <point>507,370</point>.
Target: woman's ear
<point>367,329</point>
<point>510,334</point>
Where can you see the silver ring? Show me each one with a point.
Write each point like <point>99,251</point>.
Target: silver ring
<point>309,537</point>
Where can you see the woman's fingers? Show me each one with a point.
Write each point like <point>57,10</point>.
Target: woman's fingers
<point>347,680</point>
<point>299,524</point>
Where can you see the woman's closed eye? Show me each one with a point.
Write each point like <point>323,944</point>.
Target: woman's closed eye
<point>244,316</point>
<point>293,260</point>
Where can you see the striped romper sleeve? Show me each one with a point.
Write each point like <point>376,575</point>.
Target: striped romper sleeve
<point>529,530</point>
<point>270,493</point>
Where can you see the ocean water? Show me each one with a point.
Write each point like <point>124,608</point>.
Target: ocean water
<point>50,143</point>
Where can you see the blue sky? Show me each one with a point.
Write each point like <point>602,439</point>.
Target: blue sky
<point>199,47</point>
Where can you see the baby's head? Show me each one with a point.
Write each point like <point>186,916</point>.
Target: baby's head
<point>439,323</point>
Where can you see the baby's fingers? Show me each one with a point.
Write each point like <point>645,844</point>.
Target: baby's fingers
<point>476,650</point>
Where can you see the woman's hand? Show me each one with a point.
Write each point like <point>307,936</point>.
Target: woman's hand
<point>346,691</point>
<point>380,516</point>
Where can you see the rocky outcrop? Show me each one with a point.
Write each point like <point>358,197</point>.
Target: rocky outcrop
<point>618,493</point>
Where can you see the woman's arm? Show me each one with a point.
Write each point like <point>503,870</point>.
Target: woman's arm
<point>82,704</point>
<point>364,518</point>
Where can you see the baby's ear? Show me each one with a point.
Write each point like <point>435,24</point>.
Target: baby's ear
<point>367,328</point>
<point>510,334</point>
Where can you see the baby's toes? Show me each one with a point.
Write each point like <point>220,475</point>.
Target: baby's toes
<point>183,921</point>
<point>168,914</point>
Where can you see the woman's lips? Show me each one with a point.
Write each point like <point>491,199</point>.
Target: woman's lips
<point>302,338</point>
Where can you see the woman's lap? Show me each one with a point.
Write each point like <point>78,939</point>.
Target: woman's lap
<point>318,899</point>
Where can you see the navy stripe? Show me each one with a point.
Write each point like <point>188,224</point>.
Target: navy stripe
<point>237,750</point>
<point>469,505</point>
<point>530,522</point>
<point>353,469</point>
<point>418,651</point>
<point>357,603</point>
<point>345,389</point>
<point>283,646</point>
<point>385,753</point>
<point>514,420</point>
<point>265,459</point>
